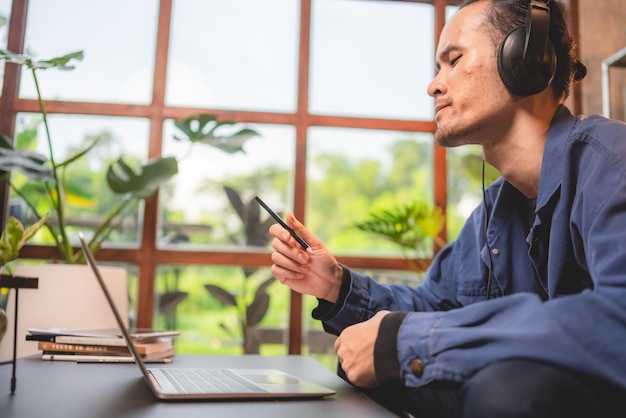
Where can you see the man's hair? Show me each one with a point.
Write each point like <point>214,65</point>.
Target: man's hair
<point>505,15</point>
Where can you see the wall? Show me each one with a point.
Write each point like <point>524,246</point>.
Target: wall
<point>602,25</point>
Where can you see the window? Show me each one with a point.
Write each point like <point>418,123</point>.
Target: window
<point>5,8</point>
<point>367,59</point>
<point>335,92</point>
<point>119,41</point>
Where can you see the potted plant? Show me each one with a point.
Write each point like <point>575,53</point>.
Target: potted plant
<point>14,236</point>
<point>53,191</point>
<point>133,185</point>
<point>50,192</point>
<point>12,240</point>
<point>411,226</point>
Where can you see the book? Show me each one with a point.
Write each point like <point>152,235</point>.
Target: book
<point>142,347</point>
<point>91,345</point>
<point>75,339</point>
<point>80,358</point>
<point>137,334</point>
<point>102,357</point>
<point>49,346</point>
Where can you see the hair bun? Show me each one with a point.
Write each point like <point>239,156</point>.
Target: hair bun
<point>580,70</point>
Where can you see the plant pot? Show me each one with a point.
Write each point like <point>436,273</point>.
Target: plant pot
<point>68,296</point>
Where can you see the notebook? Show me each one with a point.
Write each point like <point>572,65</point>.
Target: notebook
<point>170,383</point>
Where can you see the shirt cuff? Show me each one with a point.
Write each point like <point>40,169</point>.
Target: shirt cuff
<point>325,310</point>
<point>386,363</point>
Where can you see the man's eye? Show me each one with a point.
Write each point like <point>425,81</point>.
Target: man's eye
<point>454,60</point>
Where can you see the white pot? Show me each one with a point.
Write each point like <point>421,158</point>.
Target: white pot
<point>68,296</point>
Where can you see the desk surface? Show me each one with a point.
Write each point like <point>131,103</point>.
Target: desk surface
<point>65,389</point>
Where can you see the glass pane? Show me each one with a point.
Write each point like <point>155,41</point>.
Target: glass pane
<point>236,54</point>
<point>353,173</point>
<point>5,14</point>
<point>371,59</point>
<point>213,324</point>
<point>118,38</point>
<point>195,207</point>
<point>450,11</point>
<point>89,199</point>
<point>465,182</point>
<point>315,341</point>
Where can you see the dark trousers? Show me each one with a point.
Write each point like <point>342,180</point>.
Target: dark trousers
<point>508,389</point>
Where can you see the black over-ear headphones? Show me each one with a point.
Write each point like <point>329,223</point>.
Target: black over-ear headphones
<point>526,58</point>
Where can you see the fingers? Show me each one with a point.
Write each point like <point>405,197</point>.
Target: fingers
<point>289,260</point>
<point>355,352</point>
<point>283,275</point>
<point>282,235</point>
<point>297,226</point>
<point>355,370</point>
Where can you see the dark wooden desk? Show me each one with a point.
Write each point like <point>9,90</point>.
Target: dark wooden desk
<point>64,389</point>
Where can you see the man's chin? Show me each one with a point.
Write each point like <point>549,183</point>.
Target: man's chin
<point>446,139</point>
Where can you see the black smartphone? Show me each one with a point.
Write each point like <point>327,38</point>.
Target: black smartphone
<point>274,215</point>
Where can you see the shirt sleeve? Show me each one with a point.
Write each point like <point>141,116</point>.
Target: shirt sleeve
<point>386,363</point>
<point>325,310</point>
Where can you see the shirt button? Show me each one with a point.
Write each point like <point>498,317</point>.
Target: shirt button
<point>495,251</point>
<point>417,367</point>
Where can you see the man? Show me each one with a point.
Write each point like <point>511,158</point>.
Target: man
<point>525,313</point>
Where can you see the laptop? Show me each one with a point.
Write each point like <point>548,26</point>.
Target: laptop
<point>179,384</point>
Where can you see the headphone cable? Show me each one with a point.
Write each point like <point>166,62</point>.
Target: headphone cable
<point>486,225</point>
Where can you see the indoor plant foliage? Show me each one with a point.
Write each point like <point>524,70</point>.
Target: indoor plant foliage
<point>14,235</point>
<point>412,226</point>
<point>53,192</point>
<point>252,300</point>
<point>12,240</point>
<point>32,165</point>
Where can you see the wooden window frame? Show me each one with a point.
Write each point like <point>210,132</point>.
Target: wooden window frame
<point>148,256</point>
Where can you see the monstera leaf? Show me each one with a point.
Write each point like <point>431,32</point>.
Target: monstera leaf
<point>30,163</point>
<point>122,179</point>
<point>206,129</point>
<point>60,63</point>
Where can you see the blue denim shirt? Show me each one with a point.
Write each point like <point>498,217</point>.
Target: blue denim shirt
<point>574,256</point>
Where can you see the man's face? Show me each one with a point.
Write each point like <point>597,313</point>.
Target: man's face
<point>472,104</point>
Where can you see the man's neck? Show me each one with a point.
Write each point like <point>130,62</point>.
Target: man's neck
<point>518,156</point>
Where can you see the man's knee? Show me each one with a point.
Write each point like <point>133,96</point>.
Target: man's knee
<point>519,388</point>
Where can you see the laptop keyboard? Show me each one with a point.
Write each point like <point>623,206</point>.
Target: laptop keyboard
<point>209,381</point>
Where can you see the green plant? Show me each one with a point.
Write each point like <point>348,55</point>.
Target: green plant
<point>412,226</point>
<point>14,237</point>
<point>31,163</point>
<point>121,177</point>
<point>251,301</point>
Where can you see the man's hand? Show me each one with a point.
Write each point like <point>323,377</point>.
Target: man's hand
<point>355,350</point>
<point>315,273</point>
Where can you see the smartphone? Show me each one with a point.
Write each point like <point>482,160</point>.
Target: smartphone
<point>274,215</point>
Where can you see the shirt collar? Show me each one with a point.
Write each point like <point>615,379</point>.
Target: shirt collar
<point>561,126</point>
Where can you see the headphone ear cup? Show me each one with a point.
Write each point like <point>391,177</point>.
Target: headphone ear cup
<point>529,76</point>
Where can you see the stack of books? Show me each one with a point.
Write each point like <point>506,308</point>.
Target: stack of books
<point>102,346</point>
